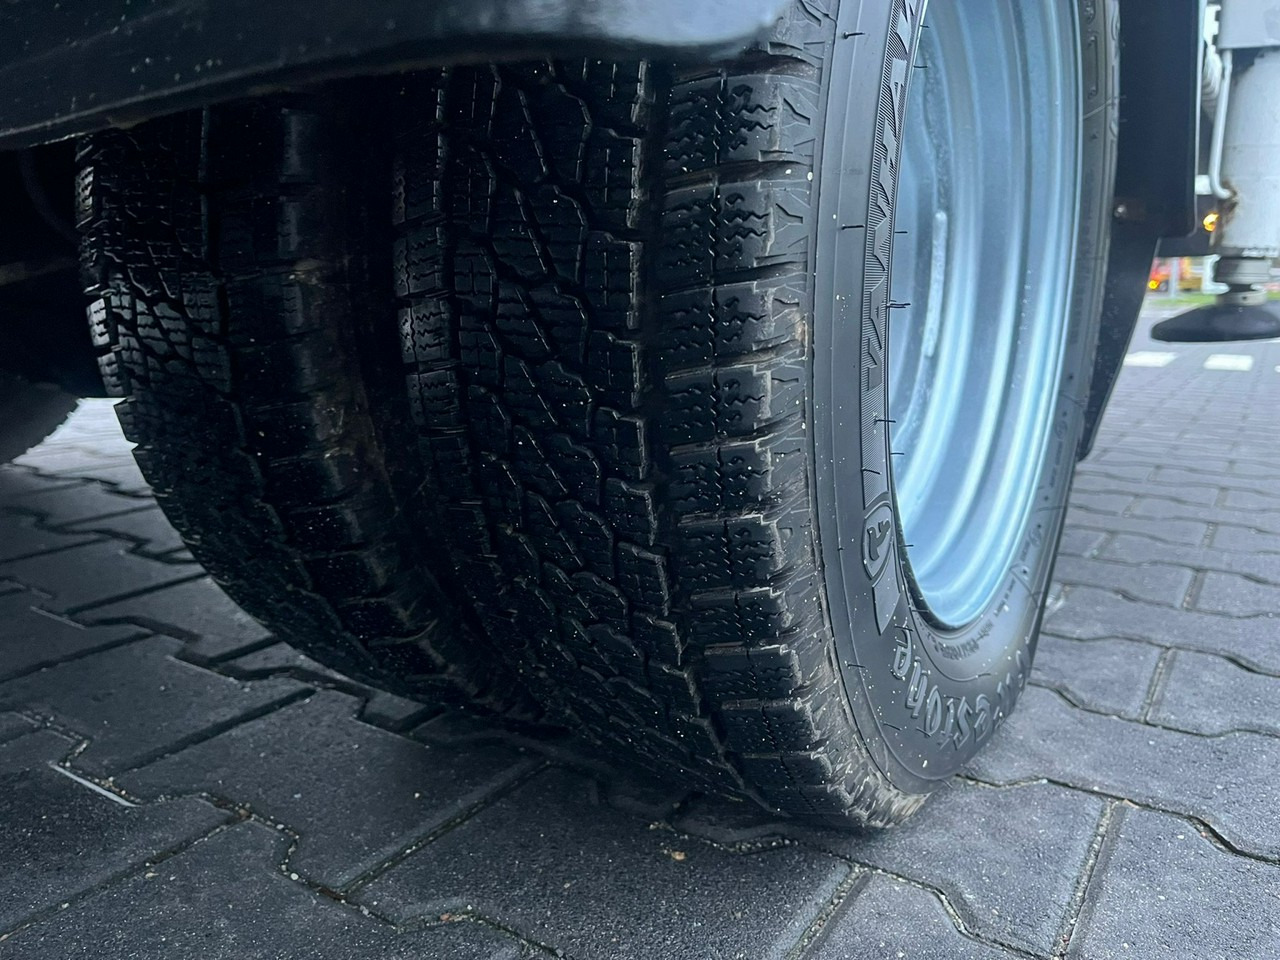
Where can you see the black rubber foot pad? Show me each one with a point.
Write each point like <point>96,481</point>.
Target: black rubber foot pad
<point>1218,322</point>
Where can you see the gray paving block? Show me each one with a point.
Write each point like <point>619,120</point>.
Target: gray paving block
<point>1111,676</point>
<point>890,920</point>
<point>382,709</point>
<point>1267,522</point>
<point>224,899</point>
<point>1150,583</point>
<point>1164,891</point>
<point>1238,596</point>
<point>1012,856</point>
<point>1254,498</point>
<point>1135,549</point>
<point>196,611</point>
<point>62,837</point>
<point>1246,539</point>
<point>355,793</point>
<point>14,725</point>
<point>1229,781</point>
<point>74,460</point>
<point>1091,614</point>
<point>123,476</point>
<point>31,638</point>
<point>148,527</point>
<point>1210,695</point>
<point>93,574</point>
<point>17,482</point>
<point>21,535</point>
<point>1123,468</point>
<point>64,507</point>
<point>1101,502</point>
<point>596,883</point>
<point>1191,533</point>
<point>135,702</point>
<point>1093,483</point>
<point>1081,543</point>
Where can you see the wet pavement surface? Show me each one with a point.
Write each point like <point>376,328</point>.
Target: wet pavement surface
<point>174,783</point>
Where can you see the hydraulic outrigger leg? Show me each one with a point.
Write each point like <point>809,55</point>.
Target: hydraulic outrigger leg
<point>1244,176</point>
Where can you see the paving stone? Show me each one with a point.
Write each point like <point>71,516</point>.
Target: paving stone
<point>1098,484</point>
<point>124,477</point>
<point>1266,498</point>
<point>93,574</point>
<point>135,702</point>
<point>355,793</point>
<point>890,920</point>
<point>1229,781</point>
<point>149,527</point>
<point>380,708</point>
<point>1210,695</point>
<point>16,483</point>
<point>224,897</point>
<point>31,638</point>
<point>596,883</point>
<point>1099,502</point>
<point>1191,533</point>
<point>196,611</point>
<point>61,837</point>
<point>21,535</point>
<point>1237,596</point>
<point>1165,510</point>
<point>1111,676</point>
<point>1135,549</point>
<point>74,459</point>
<point>1247,540</point>
<point>1125,469</point>
<point>1091,614</point>
<point>63,507</point>
<point>1151,583</point>
<point>1007,860</point>
<point>1081,543</point>
<point>1164,891</point>
<point>14,725</point>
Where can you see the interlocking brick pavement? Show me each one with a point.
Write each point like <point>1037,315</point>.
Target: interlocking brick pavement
<point>176,783</point>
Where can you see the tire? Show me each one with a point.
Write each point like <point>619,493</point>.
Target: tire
<point>221,251</point>
<point>628,354</point>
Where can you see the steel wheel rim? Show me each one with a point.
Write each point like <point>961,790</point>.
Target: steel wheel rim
<point>982,274</point>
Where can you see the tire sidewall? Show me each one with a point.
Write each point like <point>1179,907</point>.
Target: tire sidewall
<point>925,701</point>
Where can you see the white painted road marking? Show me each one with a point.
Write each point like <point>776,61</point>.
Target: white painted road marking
<point>1238,362</point>
<point>1149,358</point>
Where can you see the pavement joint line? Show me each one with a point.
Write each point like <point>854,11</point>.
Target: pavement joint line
<point>89,539</point>
<point>1095,863</point>
<point>842,898</point>
<point>1084,881</point>
<point>80,608</point>
<point>468,915</point>
<point>1155,689</point>
<point>1202,826</point>
<point>1235,661</point>
<point>956,917</point>
<point>73,657</point>
<point>1071,701</point>
<point>517,780</point>
<point>42,517</point>
<point>150,862</point>
<point>89,784</point>
<point>1196,587</point>
<point>217,729</point>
